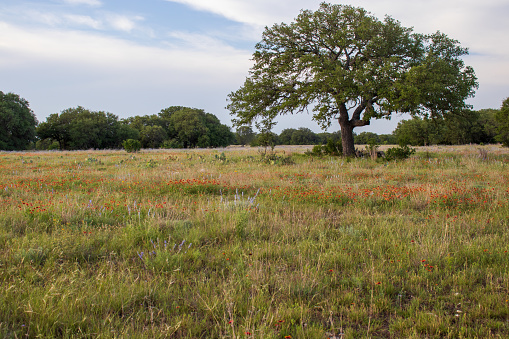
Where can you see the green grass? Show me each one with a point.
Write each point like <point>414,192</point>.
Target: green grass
<point>197,244</point>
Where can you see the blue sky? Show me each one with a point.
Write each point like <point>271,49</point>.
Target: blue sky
<point>132,57</point>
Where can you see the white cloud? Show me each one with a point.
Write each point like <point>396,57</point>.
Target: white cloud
<point>77,47</point>
<point>123,23</point>
<point>35,16</point>
<point>95,3</point>
<point>198,42</point>
<point>101,20</point>
<point>257,13</point>
<point>83,20</point>
<point>69,68</point>
<point>466,20</point>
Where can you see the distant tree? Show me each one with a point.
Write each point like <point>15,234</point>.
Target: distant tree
<point>418,132</point>
<point>189,126</point>
<point>454,128</point>
<point>285,137</point>
<point>126,132</point>
<point>91,129</point>
<point>350,66</point>
<point>56,128</point>
<point>304,136</point>
<point>153,136</point>
<point>489,125</point>
<point>17,123</point>
<point>219,135</point>
<point>244,135</point>
<point>266,139</point>
<point>463,127</point>
<point>195,128</point>
<point>366,138</point>
<point>165,121</point>
<point>80,128</point>
<point>179,126</point>
<point>325,136</point>
<point>387,139</point>
<point>300,136</point>
<point>502,119</point>
<point>140,122</point>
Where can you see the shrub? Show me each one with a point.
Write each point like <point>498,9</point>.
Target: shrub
<point>333,148</point>
<point>316,151</point>
<point>131,145</point>
<point>399,153</point>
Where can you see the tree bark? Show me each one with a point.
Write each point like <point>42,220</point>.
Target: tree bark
<point>347,139</point>
<point>347,127</point>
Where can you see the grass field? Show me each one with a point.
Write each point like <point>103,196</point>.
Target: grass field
<point>220,244</point>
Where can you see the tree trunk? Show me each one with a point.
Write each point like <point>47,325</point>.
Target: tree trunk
<point>347,139</point>
<point>347,125</point>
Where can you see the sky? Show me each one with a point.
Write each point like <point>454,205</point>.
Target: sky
<point>136,57</point>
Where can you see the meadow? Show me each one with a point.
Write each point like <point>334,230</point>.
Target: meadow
<point>230,244</point>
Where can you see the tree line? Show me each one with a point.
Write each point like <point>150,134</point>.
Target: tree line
<point>485,126</point>
<point>183,127</point>
<point>305,136</point>
<point>80,128</point>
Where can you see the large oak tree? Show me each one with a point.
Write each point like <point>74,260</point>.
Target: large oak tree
<point>343,63</point>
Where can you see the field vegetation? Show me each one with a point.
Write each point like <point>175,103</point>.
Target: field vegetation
<point>237,243</point>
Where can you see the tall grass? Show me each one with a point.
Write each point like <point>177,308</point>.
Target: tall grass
<point>220,244</point>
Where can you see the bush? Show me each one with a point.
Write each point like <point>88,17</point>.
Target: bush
<point>399,153</point>
<point>333,148</point>
<point>131,145</point>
